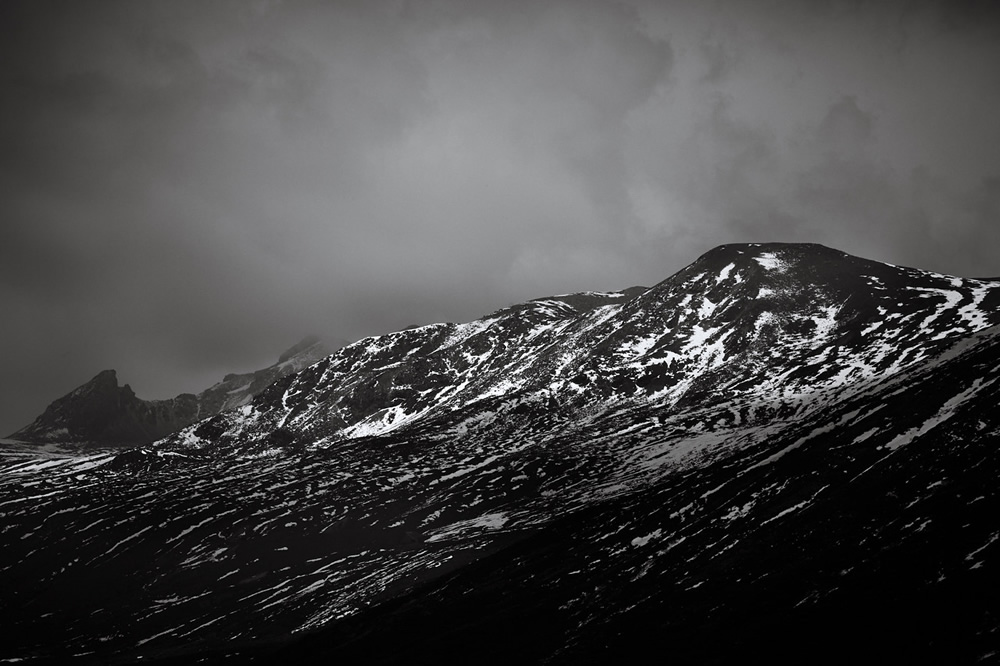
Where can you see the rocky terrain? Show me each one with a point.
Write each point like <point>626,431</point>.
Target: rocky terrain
<point>102,413</point>
<point>780,453</point>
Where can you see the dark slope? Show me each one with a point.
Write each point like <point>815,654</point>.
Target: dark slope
<point>830,553</point>
<point>596,474</point>
<point>103,413</point>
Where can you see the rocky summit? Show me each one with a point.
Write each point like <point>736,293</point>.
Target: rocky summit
<point>781,453</point>
<point>102,413</point>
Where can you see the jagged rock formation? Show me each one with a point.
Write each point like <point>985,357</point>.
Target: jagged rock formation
<point>780,448</point>
<point>101,412</point>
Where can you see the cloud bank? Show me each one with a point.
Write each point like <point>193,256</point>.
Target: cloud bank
<point>188,188</point>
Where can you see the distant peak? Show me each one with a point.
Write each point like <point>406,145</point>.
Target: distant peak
<point>301,345</point>
<point>104,378</point>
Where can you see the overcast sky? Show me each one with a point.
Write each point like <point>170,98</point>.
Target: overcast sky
<point>188,188</point>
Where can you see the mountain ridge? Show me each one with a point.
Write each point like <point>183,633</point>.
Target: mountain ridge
<point>102,413</point>
<point>779,447</point>
<point>759,307</point>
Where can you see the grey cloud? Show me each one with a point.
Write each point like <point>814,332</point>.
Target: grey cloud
<point>193,187</point>
<point>187,188</point>
<point>846,128</point>
<point>719,57</point>
<point>952,226</point>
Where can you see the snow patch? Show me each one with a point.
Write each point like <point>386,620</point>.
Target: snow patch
<point>771,262</point>
<point>827,322</point>
<point>643,540</point>
<point>486,522</point>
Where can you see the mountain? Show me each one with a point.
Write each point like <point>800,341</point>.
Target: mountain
<point>101,412</point>
<point>780,453</point>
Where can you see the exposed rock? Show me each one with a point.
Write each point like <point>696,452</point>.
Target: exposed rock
<point>104,414</point>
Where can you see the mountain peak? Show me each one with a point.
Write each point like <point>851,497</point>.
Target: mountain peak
<point>83,413</point>
<point>102,412</point>
<point>102,382</point>
<point>742,319</point>
<point>773,256</point>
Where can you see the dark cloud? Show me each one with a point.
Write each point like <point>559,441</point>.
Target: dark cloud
<point>845,127</point>
<point>187,188</point>
<point>719,60</point>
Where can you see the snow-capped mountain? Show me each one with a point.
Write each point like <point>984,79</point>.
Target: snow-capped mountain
<point>103,413</point>
<point>779,448</point>
<point>780,322</point>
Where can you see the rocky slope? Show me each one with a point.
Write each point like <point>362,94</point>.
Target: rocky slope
<point>103,413</point>
<point>780,448</point>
